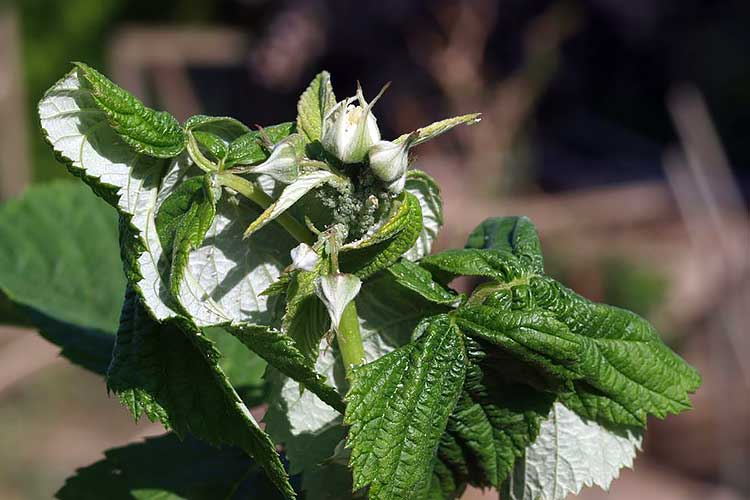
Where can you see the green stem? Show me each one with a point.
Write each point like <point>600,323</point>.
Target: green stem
<point>349,338</point>
<point>257,196</point>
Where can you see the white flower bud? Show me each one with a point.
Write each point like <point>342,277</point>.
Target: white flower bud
<point>349,130</point>
<point>336,291</point>
<point>389,161</point>
<point>303,257</point>
<point>282,164</point>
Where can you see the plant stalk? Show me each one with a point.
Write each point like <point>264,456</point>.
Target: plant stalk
<point>350,339</point>
<point>250,191</point>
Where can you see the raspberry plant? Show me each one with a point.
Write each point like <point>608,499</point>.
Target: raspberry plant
<point>309,242</point>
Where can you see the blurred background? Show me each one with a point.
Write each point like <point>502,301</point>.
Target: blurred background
<point>619,127</point>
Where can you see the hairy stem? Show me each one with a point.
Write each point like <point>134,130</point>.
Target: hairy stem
<point>250,191</point>
<point>349,338</point>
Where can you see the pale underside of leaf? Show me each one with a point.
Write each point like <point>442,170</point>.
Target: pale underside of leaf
<point>226,275</point>
<point>571,453</point>
<point>289,196</point>
<point>426,190</point>
<point>80,134</point>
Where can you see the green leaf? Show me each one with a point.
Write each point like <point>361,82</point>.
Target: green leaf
<point>493,422</point>
<point>419,280</point>
<point>167,468</point>
<point>155,133</point>
<point>49,240</point>
<point>247,149</point>
<point>535,337</point>
<point>182,222</point>
<point>629,373</point>
<point>313,106</point>
<point>279,350</point>
<point>427,191</point>
<point>516,235</point>
<point>306,319</point>
<point>499,265</point>
<point>311,429</point>
<point>435,129</point>
<point>215,134</point>
<point>389,242</point>
<point>570,453</point>
<point>398,407</point>
<point>170,372</point>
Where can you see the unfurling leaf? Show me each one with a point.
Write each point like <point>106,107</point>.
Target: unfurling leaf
<point>336,291</point>
<point>314,104</point>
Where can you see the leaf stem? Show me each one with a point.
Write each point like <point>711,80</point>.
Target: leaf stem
<point>197,156</point>
<point>250,191</point>
<point>350,339</point>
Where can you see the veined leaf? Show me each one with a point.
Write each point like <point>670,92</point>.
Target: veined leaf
<point>168,468</point>
<point>155,133</point>
<point>493,422</point>
<point>311,429</point>
<point>247,149</point>
<point>82,138</point>
<point>426,190</point>
<point>289,196</point>
<point>225,276</point>
<point>279,350</point>
<point>570,453</point>
<point>313,106</point>
<point>536,337</point>
<point>516,235</point>
<point>419,280</point>
<point>182,222</point>
<point>388,244</point>
<point>170,372</point>
<point>629,373</point>
<point>435,129</point>
<point>215,134</point>
<point>398,407</point>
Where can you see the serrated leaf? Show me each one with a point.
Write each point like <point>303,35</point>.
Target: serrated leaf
<point>427,191</point>
<point>248,150</point>
<point>435,129</point>
<point>280,351</point>
<point>387,244</point>
<point>167,468</point>
<point>313,105</point>
<point>493,422</point>
<point>516,235</point>
<point>80,135</point>
<point>170,373</point>
<point>397,410</point>
<point>183,219</point>
<point>629,373</point>
<point>419,280</point>
<point>311,429</point>
<point>570,453</point>
<point>225,276</point>
<point>534,336</point>
<point>289,196</point>
<point>155,133</point>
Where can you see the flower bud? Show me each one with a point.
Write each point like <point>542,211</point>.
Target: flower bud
<point>389,161</point>
<point>303,257</point>
<point>336,291</point>
<point>349,130</point>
